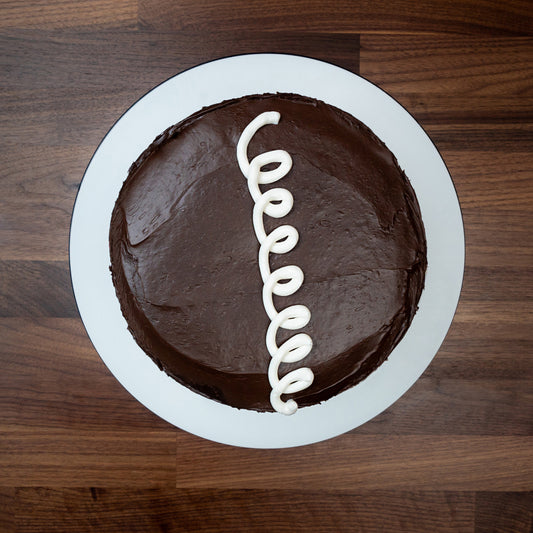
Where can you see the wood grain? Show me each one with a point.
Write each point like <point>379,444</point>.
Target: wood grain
<point>502,257</point>
<point>243,511</point>
<point>39,185</point>
<point>7,504</point>
<point>36,288</point>
<point>504,512</point>
<point>60,117</point>
<point>469,93</point>
<point>478,175</point>
<point>460,66</point>
<point>79,453</point>
<point>381,16</point>
<point>503,232</point>
<point>364,462</point>
<point>44,194</point>
<point>448,108</point>
<point>502,286</point>
<point>488,354</point>
<point>111,59</point>
<point>43,288</point>
<point>35,376</point>
<point>63,13</point>
<point>485,137</point>
<point>495,313</point>
<point>444,406</point>
<point>64,458</point>
<point>50,366</point>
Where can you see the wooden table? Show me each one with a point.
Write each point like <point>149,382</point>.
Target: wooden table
<point>78,453</point>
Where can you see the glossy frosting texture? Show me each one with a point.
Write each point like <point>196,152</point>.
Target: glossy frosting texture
<point>184,252</point>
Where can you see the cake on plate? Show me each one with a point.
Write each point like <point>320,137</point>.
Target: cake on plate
<point>268,252</point>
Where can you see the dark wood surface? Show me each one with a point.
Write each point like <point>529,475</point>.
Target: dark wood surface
<point>78,453</point>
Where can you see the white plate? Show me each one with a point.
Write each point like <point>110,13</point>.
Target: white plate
<point>174,100</point>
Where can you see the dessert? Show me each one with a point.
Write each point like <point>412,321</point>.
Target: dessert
<point>185,252</point>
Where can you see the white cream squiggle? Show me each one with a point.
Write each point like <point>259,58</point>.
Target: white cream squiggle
<point>284,281</point>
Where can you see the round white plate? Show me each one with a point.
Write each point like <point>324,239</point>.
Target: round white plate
<point>174,100</point>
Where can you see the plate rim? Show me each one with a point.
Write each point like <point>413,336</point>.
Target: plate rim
<point>225,439</point>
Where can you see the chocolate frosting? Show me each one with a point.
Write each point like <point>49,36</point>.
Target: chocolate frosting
<point>184,253</point>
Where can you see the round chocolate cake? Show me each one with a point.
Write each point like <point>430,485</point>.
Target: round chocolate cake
<point>185,253</point>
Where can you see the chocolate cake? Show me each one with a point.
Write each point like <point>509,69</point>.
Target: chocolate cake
<point>185,263</point>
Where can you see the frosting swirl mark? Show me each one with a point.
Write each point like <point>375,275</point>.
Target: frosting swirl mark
<point>285,280</point>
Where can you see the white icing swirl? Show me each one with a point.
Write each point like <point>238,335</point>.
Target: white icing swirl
<point>284,281</point>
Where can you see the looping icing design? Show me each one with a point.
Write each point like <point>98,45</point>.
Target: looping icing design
<point>284,281</point>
